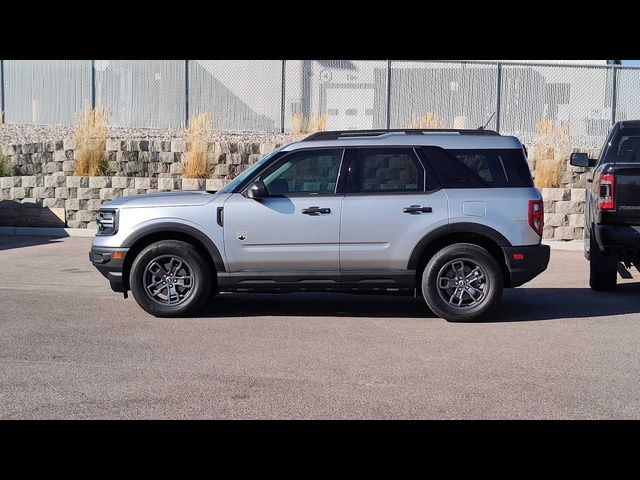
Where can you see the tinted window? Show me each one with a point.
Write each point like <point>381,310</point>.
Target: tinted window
<point>479,168</point>
<point>385,170</point>
<point>249,172</point>
<point>304,173</point>
<point>625,146</point>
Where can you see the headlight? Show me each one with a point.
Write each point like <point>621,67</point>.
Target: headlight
<point>107,222</point>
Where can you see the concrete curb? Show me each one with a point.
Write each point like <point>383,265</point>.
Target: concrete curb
<point>573,245</point>
<point>47,232</point>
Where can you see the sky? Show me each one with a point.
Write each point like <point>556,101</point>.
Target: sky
<point>630,62</point>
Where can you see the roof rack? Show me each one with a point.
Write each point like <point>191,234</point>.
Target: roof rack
<point>334,135</point>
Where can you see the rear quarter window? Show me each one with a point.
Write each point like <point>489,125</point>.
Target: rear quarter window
<point>624,146</point>
<point>479,168</point>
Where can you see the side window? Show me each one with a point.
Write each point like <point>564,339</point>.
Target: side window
<point>478,164</point>
<point>375,170</point>
<point>479,168</point>
<point>629,149</point>
<point>304,173</point>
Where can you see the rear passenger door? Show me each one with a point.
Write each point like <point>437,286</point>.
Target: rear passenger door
<point>391,202</point>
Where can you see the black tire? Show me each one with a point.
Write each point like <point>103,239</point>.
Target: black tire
<point>470,255</point>
<point>603,281</point>
<point>194,267</point>
<point>603,268</point>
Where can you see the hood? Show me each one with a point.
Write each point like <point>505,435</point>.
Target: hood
<point>162,199</point>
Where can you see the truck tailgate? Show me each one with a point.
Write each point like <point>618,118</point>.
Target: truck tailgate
<point>627,194</point>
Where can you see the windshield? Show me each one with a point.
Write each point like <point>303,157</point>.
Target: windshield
<point>231,186</point>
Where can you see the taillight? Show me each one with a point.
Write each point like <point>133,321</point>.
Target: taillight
<point>606,196</point>
<point>536,216</point>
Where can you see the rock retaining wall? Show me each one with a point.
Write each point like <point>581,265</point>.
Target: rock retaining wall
<point>135,158</point>
<point>563,213</point>
<point>165,158</point>
<point>81,197</point>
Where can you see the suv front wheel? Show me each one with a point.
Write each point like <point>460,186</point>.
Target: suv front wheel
<point>462,282</point>
<point>169,279</point>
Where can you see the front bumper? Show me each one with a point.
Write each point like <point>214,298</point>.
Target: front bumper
<point>531,262</point>
<point>103,259</point>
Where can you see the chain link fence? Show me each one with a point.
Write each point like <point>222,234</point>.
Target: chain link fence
<point>578,97</point>
<point>239,95</point>
<point>303,95</point>
<point>342,94</point>
<point>44,91</point>
<point>142,93</point>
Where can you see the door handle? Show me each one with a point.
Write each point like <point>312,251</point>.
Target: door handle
<point>315,210</point>
<point>417,209</point>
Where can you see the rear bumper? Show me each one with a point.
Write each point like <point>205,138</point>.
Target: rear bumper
<point>103,259</point>
<point>617,236</point>
<point>534,261</point>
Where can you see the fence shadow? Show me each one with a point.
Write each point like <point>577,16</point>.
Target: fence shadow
<point>16,214</point>
<point>11,242</point>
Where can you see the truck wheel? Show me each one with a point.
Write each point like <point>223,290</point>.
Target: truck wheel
<point>603,269</point>
<point>170,279</point>
<point>603,281</point>
<point>462,282</point>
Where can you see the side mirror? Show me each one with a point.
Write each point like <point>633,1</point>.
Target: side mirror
<point>579,159</point>
<point>257,190</point>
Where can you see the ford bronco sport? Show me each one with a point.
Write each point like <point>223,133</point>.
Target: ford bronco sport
<point>448,214</point>
<point>612,212</point>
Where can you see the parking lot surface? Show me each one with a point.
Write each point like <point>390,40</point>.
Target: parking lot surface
<point>72,348</point>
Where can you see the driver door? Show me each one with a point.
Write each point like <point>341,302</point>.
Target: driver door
<point>290,237</point>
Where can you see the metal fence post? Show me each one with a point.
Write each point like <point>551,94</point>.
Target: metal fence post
<point>1,91</point>
<point>282,98</point>
<point>498,94</point>
<point>388,94</point>
<point>614,76</point>
<point>93,84</point>
<point>186,93</point>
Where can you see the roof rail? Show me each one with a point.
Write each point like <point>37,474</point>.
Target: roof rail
<point>334,135</point>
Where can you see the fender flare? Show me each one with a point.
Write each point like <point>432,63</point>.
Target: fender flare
<point>180,228</point>
<point>459,227</point>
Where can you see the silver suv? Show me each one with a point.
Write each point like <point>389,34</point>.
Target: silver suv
<point>451,215</point>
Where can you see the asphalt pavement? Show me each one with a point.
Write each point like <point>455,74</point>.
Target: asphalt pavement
<point>72,348</point>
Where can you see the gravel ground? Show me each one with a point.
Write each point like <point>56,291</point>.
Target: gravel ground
<point>27,133</point>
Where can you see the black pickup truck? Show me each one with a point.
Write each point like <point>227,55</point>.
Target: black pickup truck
<point>612,211</point>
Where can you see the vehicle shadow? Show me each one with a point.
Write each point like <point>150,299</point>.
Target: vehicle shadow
<point>531,304</point>
<point>518,305</point>
<point>10,242</point>
<point>314,305</point>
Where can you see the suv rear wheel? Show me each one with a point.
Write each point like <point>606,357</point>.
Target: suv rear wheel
<point>462,282</point>
<point>169,279</point>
